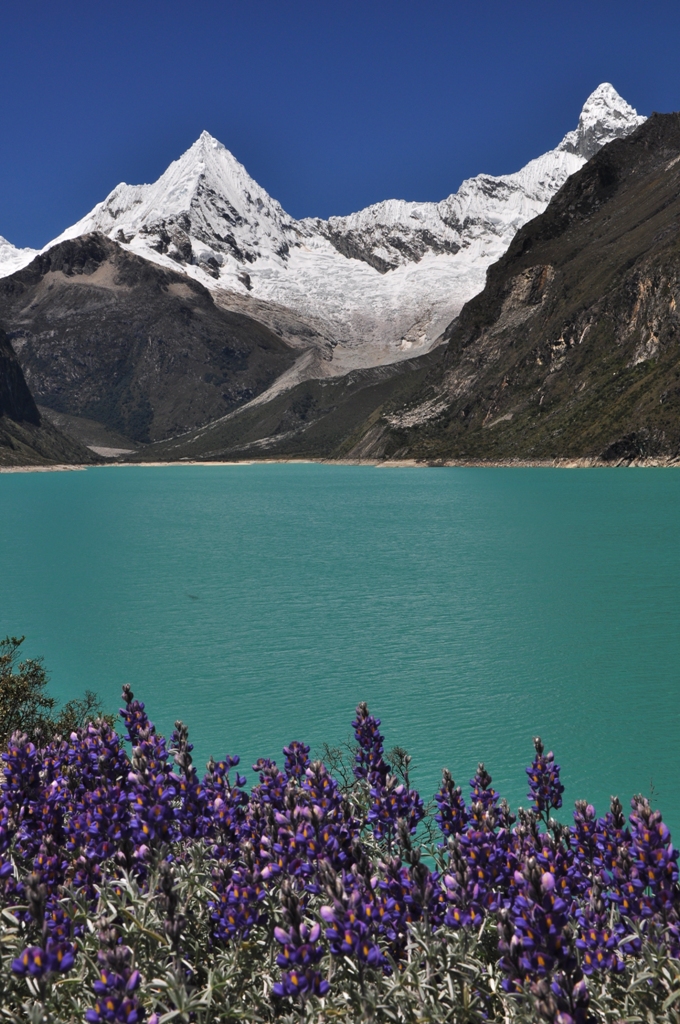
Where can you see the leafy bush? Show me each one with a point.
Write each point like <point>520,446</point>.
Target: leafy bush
<point>132,891</point>
<point>25,706</point>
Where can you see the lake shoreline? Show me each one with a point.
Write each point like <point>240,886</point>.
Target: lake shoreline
<point>577,463</point>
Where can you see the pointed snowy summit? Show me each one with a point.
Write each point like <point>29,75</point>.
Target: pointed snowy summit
<point>605,116</point>
<point>204,210</point>
<point>382,283</point>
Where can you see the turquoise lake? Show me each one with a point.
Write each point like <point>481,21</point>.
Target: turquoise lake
<point>471,608</point>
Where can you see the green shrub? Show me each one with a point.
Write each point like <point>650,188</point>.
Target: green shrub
<point>25,705</point>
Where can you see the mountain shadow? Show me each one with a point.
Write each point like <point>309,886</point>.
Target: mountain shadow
<point>25,438</point>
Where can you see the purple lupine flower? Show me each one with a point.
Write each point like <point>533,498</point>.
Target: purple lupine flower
<point>545,788</point>
<point>481,792</point>
<point>97,826</point>
<point>50,867</point>
<point>57,923</point>
<point>272,786</point>
<point>391,803</point>
<point>370,763</point>
<point>272,825</point>
<point>535,939</point>
<point>115,999</point>
<point>465,896</point>
<point>583,838</point>
<point>28,816</point>
<point>482,858</point>
<point>561,1000</point>
<point>299,982</point>
<point>32,962</point>
<point>151,796</point>
<point>223,807</point>
<point>315,824</point>
<point>403,893</point>
<point>260,829</point>
<point>348,934</point>
<point>618,872</point>
<point>627,892</point>
<point>299,952</point>
<point>133,714</point>
<point>655,862</point>
<point>235,908</point>
<point>612,838</point>
<point>398,907</point>
<point>297,759</point>
<point>353,921</point>
<point>598,939</point>
<point>152,787</point>
<point>116,986</point>
<point>193,796</point>
<point>37,961</point>
<point>391,800</point>
<point>336,827</point>
<point>654,855</point>
<point>482,865</point>
<point>452,815</point>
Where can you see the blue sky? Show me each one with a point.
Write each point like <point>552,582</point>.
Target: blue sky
<point>330,105</point>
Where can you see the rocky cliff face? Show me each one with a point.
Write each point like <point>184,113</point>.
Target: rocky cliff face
<point>573,347</point>
<point>16,400</point>
<point>104,334</point>
<point>24,438</point>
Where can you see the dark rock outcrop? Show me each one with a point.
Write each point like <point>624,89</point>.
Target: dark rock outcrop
<point>25,439</point>
<point>573,348</point>
<point>16,400</point>
<point>103,334</point>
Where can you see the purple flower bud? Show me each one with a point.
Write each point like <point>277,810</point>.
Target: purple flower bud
<point>547,882</point>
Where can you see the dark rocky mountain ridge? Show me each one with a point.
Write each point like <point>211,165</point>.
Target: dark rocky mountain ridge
<point>572,350</point>
<point>104,334</point>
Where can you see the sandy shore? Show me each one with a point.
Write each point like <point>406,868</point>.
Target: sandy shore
<point>584,463</point>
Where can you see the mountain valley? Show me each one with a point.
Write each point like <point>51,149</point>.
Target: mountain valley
<point>195,319</point>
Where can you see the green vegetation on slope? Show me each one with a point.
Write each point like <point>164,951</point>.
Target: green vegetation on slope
<point>572,348</point>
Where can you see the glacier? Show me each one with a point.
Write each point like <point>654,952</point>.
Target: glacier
<point>373,287</point>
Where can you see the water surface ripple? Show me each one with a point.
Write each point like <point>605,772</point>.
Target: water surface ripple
<point>472,608</point>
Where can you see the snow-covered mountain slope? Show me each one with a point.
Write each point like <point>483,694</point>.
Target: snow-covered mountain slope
<point>486,210</point>
<point>12,259</point>
<point>383,282</point>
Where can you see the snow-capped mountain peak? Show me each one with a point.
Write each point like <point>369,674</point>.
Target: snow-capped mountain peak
<point>605,116</point>
<point>382,283</point>
<point>487,207</point>
<point>204,209</point>
<point>12,259</point>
